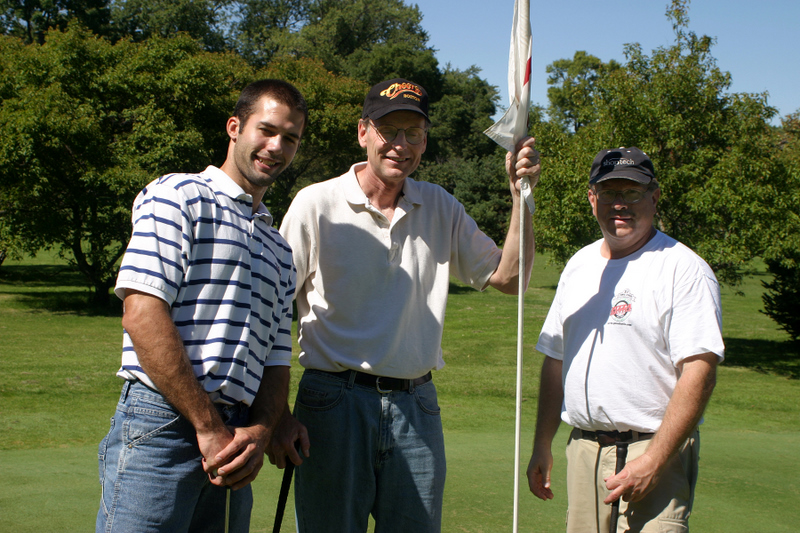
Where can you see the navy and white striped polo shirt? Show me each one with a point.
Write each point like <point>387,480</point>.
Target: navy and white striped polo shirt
<point>226,274</point>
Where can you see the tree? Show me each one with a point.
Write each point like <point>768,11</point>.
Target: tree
<point>84,125</point>
<point>783,292</point>
<point>360,39</point>
<point>782,257</point>
<point>459,115</point>
<point>113,114</point>
<point>31,19</point>
<point>712,150</point>
<point>263,28</point>
<point>142,19</point>
<point>574,88</point>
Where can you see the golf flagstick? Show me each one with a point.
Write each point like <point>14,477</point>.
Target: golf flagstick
<point>506,132</point>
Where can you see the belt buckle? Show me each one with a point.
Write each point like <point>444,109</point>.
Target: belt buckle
<point>378,386</point>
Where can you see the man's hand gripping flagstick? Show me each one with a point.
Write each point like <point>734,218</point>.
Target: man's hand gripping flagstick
<point>507,132</point>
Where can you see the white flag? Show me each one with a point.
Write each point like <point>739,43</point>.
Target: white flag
<point>513,126</point>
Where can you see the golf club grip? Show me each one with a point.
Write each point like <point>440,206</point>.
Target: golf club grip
<point>622,456</point>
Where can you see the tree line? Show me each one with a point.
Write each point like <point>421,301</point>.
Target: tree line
<point>101,96</point>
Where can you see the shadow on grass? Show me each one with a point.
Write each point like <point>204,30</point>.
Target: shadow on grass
<point>28,286</point>
<point>41,276</point>
<point>456,288</point>
<point>769,357</point>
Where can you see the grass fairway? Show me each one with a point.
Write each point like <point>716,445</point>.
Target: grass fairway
<point>58,390</point>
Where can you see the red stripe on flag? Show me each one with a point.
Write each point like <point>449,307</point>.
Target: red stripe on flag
<point>527,72</point>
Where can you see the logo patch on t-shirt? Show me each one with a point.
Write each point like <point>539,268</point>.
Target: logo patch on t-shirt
<point>622,307</point>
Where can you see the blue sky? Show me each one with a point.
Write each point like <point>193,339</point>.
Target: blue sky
<point>758,42</point>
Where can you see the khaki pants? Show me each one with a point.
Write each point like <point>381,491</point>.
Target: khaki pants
<point>665,509</point>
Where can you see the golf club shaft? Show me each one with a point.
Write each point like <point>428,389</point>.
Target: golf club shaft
<point>622,455</point>
<point>227,509</point>
<point>283,496</point>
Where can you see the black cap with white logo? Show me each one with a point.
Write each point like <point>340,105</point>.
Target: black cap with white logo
<point>626,163</point>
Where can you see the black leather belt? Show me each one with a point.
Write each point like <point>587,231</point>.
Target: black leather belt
<point>609,438</point>
<point>381,383</point>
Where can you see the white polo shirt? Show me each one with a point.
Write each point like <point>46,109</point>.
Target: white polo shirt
<point>372,294</point>
<point>225,272</point>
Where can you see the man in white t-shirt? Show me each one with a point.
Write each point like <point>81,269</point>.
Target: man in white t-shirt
<point>632,341</point>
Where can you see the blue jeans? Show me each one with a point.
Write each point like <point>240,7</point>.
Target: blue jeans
<point>151,474</point>
<point>371,453</point>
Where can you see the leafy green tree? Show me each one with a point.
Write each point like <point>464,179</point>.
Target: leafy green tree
<point>263,28</point>
<point>711,149</point>
<point>563,222</point>
<point>84,125</point>
<point>142,19</point>
<point>782,256</point>
<point>783,292</point>
<point>574,88</point>
<point>459,116</point>
<point>361,39</point>
<point>31,19</point>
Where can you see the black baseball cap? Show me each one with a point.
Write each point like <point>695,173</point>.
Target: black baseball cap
<point>395,95</point>
<point>627,163</point>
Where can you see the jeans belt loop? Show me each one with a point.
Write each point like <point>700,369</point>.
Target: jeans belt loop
<point>351,380</point>
<point>126,390</point>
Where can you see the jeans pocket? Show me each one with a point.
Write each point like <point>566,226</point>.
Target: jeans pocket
<point>146,420</point>
<point>102,451</point>
<point>317,393</point>
<point>427,399</point>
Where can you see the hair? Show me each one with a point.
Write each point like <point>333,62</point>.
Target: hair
<point>282,91</point>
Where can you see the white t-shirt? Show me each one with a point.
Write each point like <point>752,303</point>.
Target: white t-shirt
<point>371,295</point>
<point>622,326</point>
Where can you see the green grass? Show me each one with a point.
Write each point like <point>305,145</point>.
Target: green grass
<point>57,391</point>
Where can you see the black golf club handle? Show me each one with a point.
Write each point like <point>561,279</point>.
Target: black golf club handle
<point>622,456</point>
<point>284,494</point>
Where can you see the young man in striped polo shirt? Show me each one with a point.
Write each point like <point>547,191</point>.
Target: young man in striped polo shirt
<point>207,284</point>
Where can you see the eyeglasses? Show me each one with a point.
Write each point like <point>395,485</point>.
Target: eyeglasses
<point>388,133</point>
<point>629,196</point>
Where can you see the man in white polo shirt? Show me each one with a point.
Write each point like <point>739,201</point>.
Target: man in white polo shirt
<point>207,284</point>
<point>632,340</point>
<point>374,251</point>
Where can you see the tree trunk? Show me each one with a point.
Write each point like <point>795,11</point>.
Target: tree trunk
<point>100,296</point>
